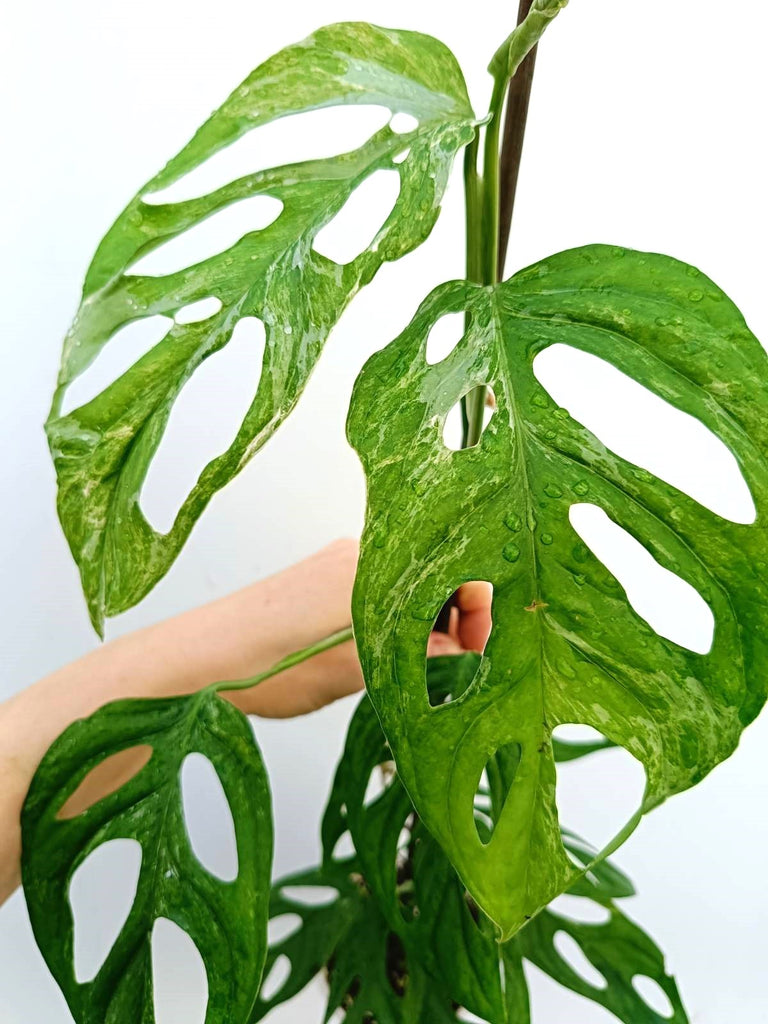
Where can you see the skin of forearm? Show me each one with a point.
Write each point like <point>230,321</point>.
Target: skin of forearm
<point>233,638</point>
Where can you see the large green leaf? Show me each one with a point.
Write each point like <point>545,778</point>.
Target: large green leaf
<point>226,920</point>
<point>566,646</point>
<point>425,903</point>
<point>102,450</point>
<point>394,917</point>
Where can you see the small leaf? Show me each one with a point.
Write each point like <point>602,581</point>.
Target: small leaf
<point>102,450</point>
<point>566,645</point>
<point>225,921</point>
<point>618,950</point>
<point>367,969</point>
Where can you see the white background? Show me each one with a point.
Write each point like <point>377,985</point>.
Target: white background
<point>647,129</point>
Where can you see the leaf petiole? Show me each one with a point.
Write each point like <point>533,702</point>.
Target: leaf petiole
<point>296,658</point>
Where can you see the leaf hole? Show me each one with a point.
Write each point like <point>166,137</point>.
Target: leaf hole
<point>669,604</point>
<point>497,779</point>
<point>381,778</point>
<point>454,421</point>
<point>310,895</point>
<point>210,237</point>
<point>580,910</point>
<point>444,336</point>
<point>276,979</point>
<point>573,955</point>
<point>106,778</point>
<point>465,625</point>
<point>355,227</point>
<point>647,430</point>
<point>403,123</point>
<point>102,892</point>
<point>179,978</point>
<point>570,742</point>
<point>617,776</point>
<point>651,992</point>
<point>124,348</point>
<point>344,848</point>
<point>205,417</point>
<point>403,155</point>
<point>309,135</point>
<point>282,927</point>
<point>208,818</point>
<point>195,312</point>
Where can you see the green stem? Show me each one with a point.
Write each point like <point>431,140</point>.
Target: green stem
<point>490,222</point>
<point>473,190</point>
<point>487,267</point>
<point>289,661</point>
<point>474,187</point>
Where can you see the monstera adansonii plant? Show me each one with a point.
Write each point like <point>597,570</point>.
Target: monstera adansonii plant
<point>458,856</point>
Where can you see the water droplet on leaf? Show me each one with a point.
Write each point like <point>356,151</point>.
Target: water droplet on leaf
<point>513,522</point>
<point>511,552</point>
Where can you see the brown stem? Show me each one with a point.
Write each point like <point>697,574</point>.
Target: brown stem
<point>518,97</point>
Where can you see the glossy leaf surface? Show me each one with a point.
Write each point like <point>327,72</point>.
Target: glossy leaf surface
<point>103,449</point>
<point>567,646</point>
<point>226,921</point>
<point>448,946</point>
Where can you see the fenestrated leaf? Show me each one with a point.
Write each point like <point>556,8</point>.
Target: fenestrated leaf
<point>102,450</point>
<point>368,972</point>
<point>442,933</point>
<point>566,647</point>
<point>226,921</point>
<point>323,927</point>
<point>417,889</point>
<point>423,900</point>
<point>619,950</point>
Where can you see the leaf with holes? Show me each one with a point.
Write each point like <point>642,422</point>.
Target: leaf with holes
<point>226,920</point>
<point>567,646</point>
<point>415,887</point>
<point>102,450</point>
<point>367,969</point>
<point>429,913</point>
<point>618,951</point>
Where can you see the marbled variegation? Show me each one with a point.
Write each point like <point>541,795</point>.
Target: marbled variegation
<point>103,449</point>
<point>566,645</point>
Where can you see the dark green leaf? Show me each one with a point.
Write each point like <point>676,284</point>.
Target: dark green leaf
<point>619,950</point>
<point>226,921</point>
<point>567,647</point>
<point>368,971</point>
<point>323,927</point>
<point>102,450</point>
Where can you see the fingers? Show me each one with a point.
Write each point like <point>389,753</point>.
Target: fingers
<point>473,601</point>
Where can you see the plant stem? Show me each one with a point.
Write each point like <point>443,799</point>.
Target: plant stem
<point>289,661</point>
<point>494,192</point>
<point>518,98</point>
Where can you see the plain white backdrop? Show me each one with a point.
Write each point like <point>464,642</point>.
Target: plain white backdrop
<point>646,130</point>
